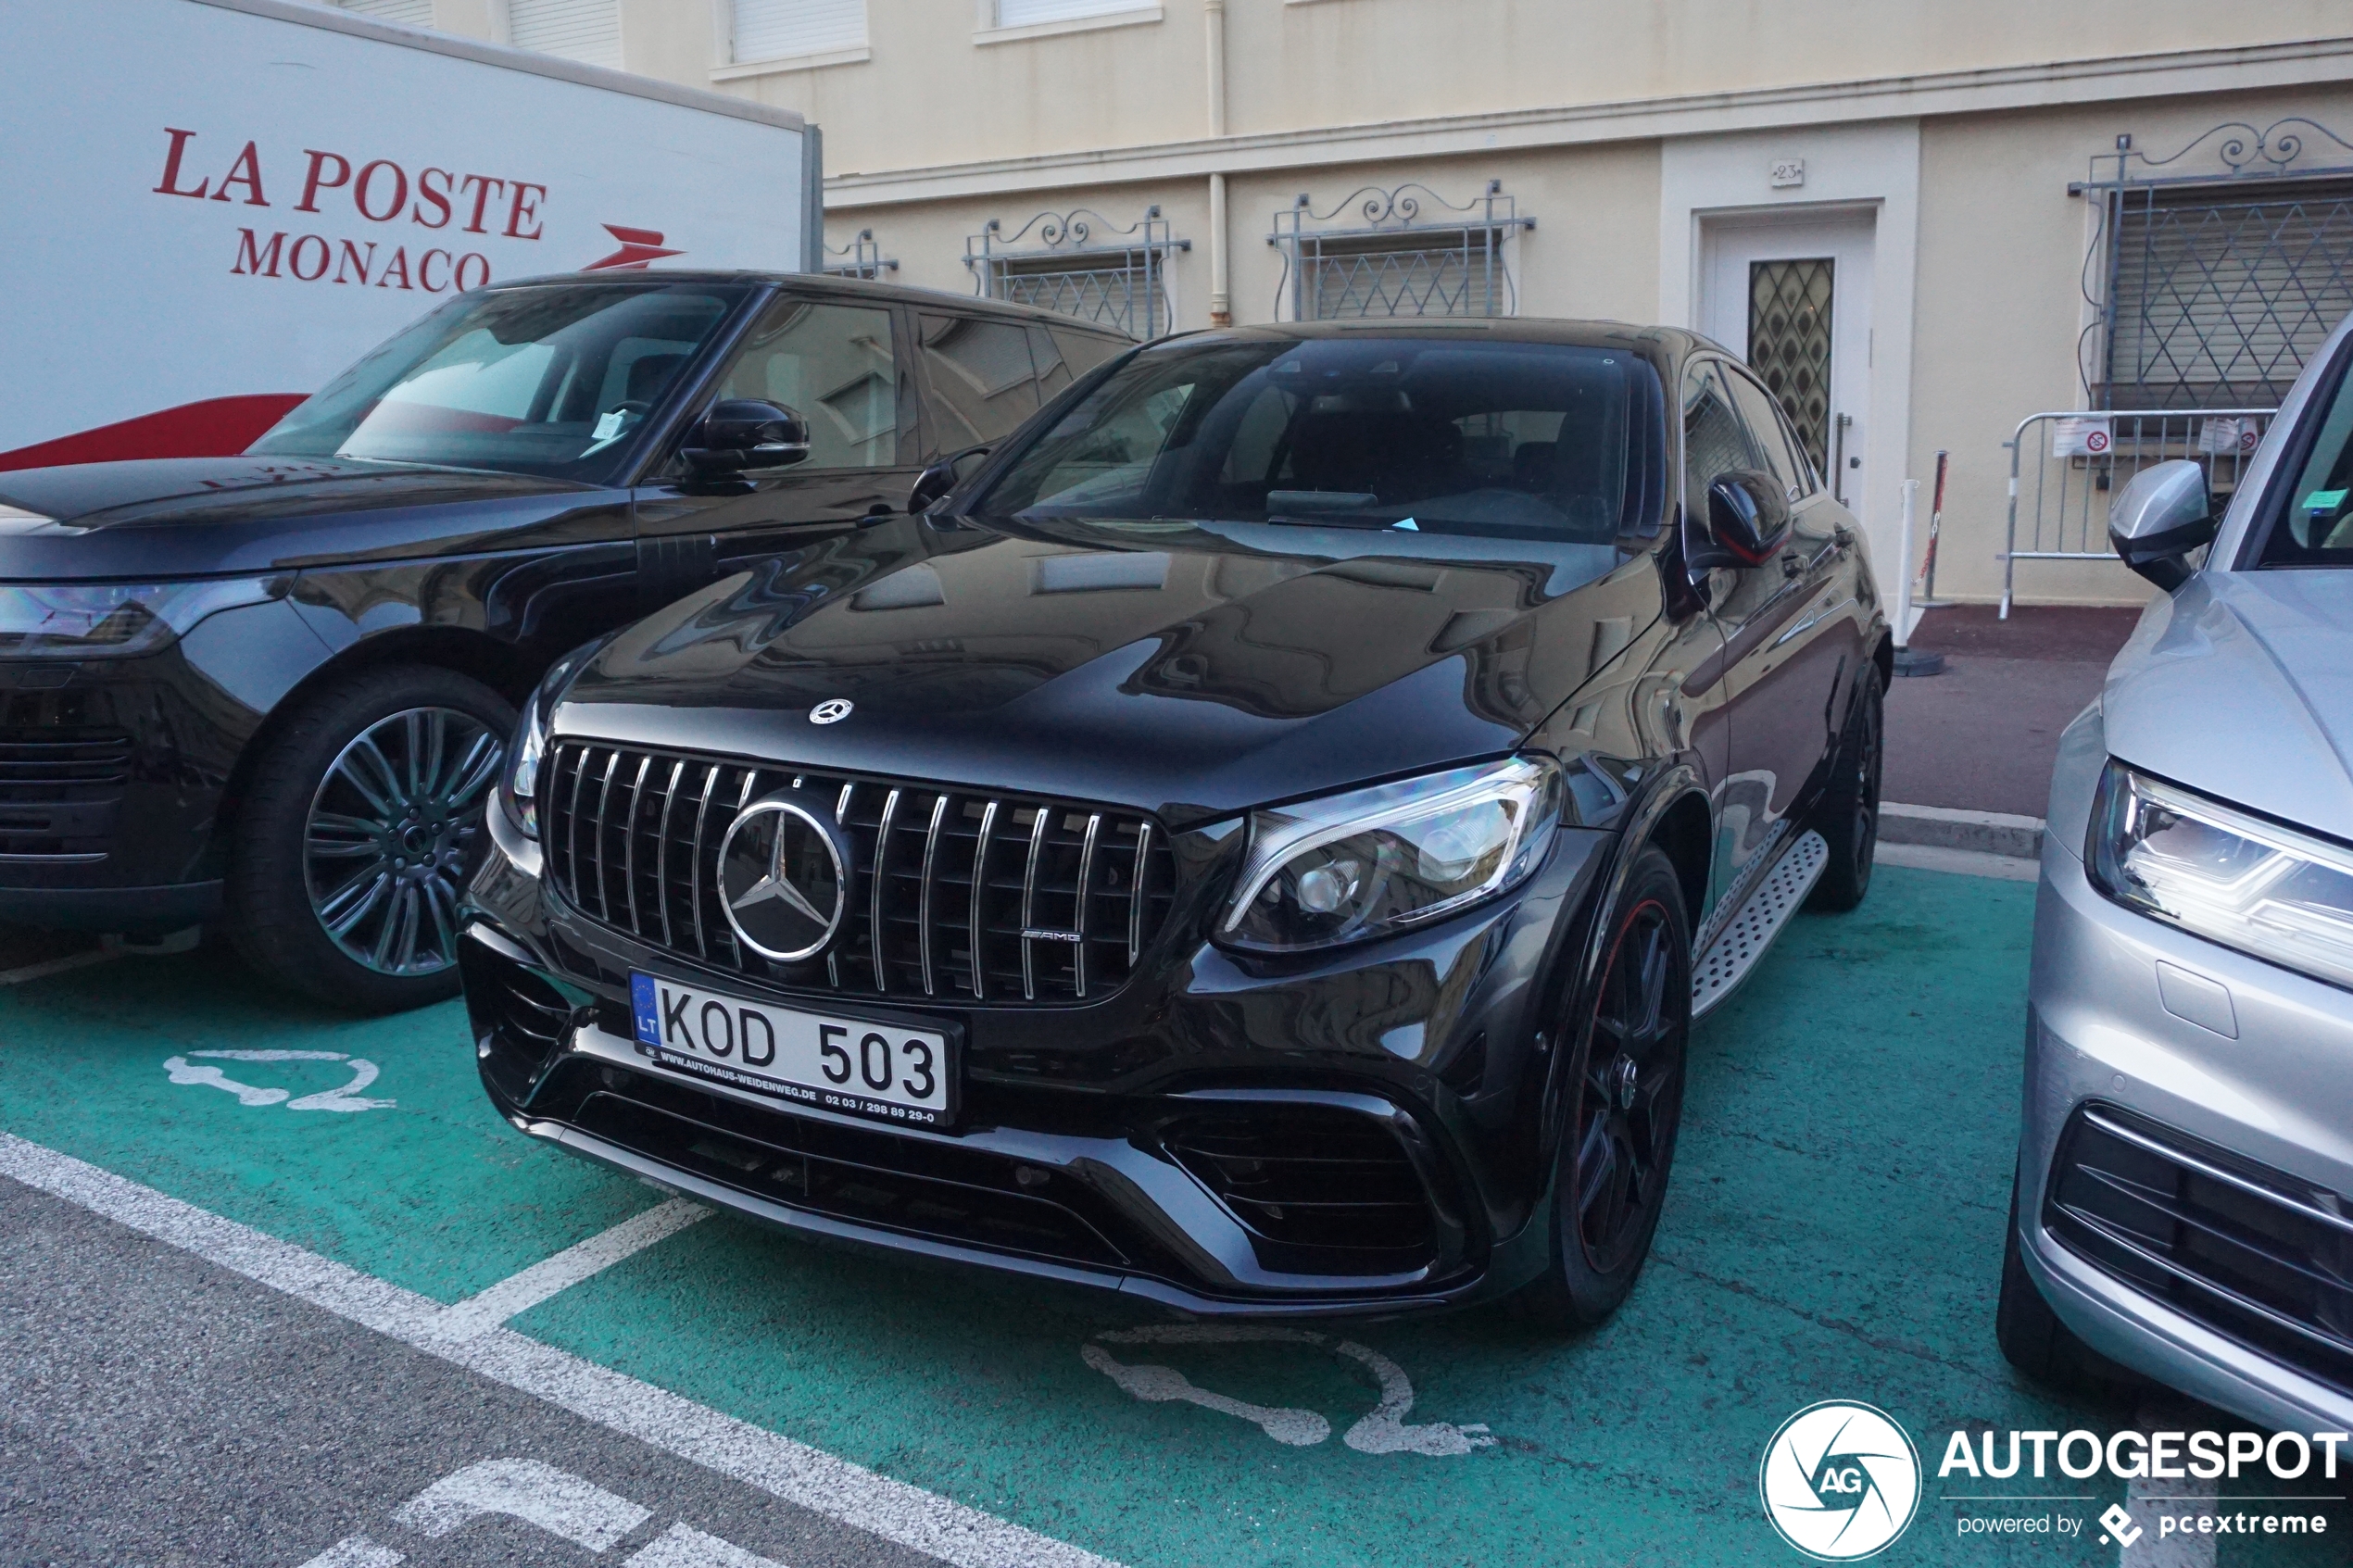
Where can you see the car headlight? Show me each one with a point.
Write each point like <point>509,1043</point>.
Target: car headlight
<point>114,619</point>
<point>1372,862</point>
<point>2283,895</point>
<point>519,790</point>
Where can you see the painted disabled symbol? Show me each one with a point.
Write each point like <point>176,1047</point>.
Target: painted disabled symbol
<point>1383,1430</point>
<point>344,1099</point>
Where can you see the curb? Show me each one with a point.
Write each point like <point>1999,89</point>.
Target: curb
<point>1978,833</point>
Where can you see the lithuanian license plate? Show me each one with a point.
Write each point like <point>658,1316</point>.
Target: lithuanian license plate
<point>889,1072</point>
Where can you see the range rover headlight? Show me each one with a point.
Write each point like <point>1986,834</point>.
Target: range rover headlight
<point>114,620</point>
<point>2282,895</point>
<point>1376,861</point>
<point>519,790</point>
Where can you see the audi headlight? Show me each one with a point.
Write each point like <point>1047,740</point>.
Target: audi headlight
<point>114,619</point>
<point>519,790</point>
<point>1376,861</point>
<point>2283,895</point>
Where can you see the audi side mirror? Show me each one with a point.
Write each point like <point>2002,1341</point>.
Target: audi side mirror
<point>2159,517</point>
<point>744,435</point>
<point>1747,519</point>
<point>933,485</point>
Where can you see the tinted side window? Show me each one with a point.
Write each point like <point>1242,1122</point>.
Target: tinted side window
<point>1714,438</point>
<point>982,382</point>
<point>1083,351</point>
<point>832,365</point>
<point>1763,417</point>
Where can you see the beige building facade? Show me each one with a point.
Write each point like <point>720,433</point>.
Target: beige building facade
<point>1924,222</point>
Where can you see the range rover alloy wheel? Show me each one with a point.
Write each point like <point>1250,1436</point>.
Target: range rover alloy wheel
<point>362,828</point>
<point>1623,1102</point>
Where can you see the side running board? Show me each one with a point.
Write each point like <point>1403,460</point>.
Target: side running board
<point>1743,940</point>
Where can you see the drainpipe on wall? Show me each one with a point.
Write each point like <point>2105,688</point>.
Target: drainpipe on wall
<point>1221,302</point>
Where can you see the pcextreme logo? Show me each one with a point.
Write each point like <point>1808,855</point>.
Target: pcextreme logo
<point>1840,1481</point>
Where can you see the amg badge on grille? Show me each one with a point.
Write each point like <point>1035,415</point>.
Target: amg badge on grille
<point>833,711</point>
<point>783,880</point>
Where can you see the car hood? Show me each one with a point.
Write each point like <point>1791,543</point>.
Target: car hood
<point>1186,668</point>
<point>192,515</point>
<point>2241,686</point>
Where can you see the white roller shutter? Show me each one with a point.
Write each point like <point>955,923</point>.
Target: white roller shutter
<point>1023,13</point>
<point>586,30</point>
<point>776,29</point>
<point>409,13</point>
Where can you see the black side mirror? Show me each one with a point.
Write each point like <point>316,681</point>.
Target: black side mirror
<point>744,434</point>
<point>2159,517</point>
<point>1747,519</point>
<point>933,485</point>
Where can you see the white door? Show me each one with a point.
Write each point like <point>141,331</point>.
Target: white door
<point>1791,294</point>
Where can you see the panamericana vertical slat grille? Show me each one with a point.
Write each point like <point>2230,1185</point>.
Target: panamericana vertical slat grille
<point>959,895</point>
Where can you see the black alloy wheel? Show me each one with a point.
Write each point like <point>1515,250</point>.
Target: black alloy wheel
<point>1623,1104</point>
<point>390,837</point>
<point>1847,817</point>
<point>355,843</point>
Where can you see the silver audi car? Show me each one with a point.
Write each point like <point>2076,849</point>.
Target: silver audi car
<point>2183,1208</point>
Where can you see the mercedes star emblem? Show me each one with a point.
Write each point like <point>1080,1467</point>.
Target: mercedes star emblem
<point>833,711</point>
<point>781,880</point>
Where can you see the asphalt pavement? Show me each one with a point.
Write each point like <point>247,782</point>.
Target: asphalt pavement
<point>156,1407</point>
<point>1982,735</point>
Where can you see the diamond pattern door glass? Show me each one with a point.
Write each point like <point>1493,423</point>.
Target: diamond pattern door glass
<point>1789,344</point>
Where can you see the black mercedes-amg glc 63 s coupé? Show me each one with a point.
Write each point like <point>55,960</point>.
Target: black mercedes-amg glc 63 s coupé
<point>1256,840</point>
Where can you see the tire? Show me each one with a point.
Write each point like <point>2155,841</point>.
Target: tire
<point>1847,815</point>
<point>2035,1341</point>
<point>365,816</point>
<point>1622,1104</point>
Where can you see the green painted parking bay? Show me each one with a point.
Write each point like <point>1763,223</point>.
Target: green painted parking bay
<point>1834,1231</point>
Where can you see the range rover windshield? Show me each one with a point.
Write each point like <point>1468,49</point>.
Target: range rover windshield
<point>548,381</point>
<point>1427,433</point>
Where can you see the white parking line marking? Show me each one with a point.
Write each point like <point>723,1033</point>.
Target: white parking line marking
<point>518,1293</point>
<point>540,1495</point>
<point>806,1477</point>
<point>356,1552</point>
<point>1382,1430</point>
<point>682,1546</point>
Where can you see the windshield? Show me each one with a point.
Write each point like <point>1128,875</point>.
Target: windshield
<point>1518,440</point>
<point>2317,527</point>
<point>542,380</point>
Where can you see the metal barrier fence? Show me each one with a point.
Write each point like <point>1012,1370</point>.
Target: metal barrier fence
<point>2083,455</point>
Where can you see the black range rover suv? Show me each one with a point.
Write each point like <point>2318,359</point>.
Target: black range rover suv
<point>1258,843</point>
<point>274,689</point>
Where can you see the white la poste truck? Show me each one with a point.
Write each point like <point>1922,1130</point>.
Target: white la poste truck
<point>215,206</point>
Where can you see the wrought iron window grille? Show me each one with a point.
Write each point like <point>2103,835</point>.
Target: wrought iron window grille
<point>1380,256</point>
<point>863,258</point>
<point>2211,285</point>
<point>1078,264</point>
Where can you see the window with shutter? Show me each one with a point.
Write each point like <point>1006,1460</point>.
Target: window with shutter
<point>409,13</point>
<point>776,30</point>
<point>1027,12</point>
<point>586,30</point>
<point>2220,293</point>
